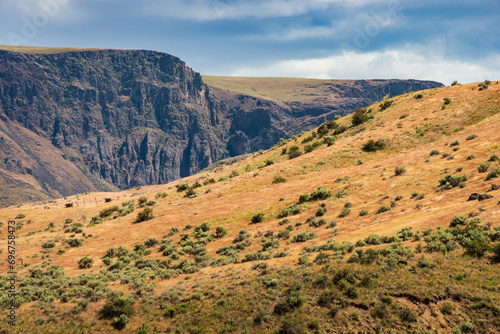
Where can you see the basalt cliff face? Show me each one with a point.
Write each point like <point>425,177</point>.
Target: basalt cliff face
<point>100,120</point>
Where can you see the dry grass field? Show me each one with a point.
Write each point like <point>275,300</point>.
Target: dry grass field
<point>443,280</point>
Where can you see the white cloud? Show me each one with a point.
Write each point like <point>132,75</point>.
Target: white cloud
<point>389,64</point>
<point>59,11</point>
<point>210,10</point>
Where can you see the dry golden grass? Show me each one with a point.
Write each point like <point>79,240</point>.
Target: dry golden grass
<point>233,202</point>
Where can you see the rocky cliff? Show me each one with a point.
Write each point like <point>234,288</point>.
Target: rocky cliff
<point>99,120</point>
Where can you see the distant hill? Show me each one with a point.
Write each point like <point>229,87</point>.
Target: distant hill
<point>78,120</point>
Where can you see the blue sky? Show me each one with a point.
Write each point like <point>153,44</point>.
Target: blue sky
<point>340,39</point>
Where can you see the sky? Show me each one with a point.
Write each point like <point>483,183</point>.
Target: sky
<point>438,40</point>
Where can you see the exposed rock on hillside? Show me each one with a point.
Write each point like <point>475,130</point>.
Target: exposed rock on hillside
<point>99,120</point>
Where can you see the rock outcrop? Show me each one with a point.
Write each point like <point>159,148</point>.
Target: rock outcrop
<point>100,120</point>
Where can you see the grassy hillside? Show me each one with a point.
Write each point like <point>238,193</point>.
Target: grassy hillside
<point>362,225</point>
<point>40,49</point>
<point>281,89</point>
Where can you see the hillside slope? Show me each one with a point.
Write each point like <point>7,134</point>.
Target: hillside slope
<point>113,119</point>
<point>392,242</point>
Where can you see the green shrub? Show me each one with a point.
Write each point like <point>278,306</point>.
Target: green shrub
<point>151,242</point>
<point>74,242</point>
<point>345,212</point>
<point>304,236</point>
<point>483,167</point>
<point>20,216</point>
<point>382,209</point>
<point>493,174</point>
<point>144,215</point>
<point>373,146</point>
<point>496,250</point>
<point>220,231</point>
<point>434,152</point>
<point>85,262</point>
<point>320,194</point>
<point>304,198</point>
<point>494,158</point>
<point>406,314</point>
<point>329,140</point>
<point>258,218</point>
<point>180,187</point>
<point>49,244</point>
<point>279,179</point>
<point>446,100</point>
<point>121,322</point>
<point>449,181</point>
<point>447,308</point>
<point>399,170</point>
<point>484,85</point>
<point>418,96</point>
<point>104,213</point>
<point>384,105</point>
<point>293,209</point>
<point>361,115</point>
<point>363,212</point>
<point>476,247</point>
<point>289,304</point>
<point>142,201</point>
<point>320,212</point>
<point>294,152</point>
<point>116,306</point>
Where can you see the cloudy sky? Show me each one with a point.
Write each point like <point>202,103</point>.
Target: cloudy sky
<point>442,40</point>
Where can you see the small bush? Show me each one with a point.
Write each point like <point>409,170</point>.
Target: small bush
<point>383,209</point>
<point>418,96</point>
<point>220,231</point>
<point>345,212</point>
<point>85,262</point>
<point>361,115</point>
<point>279,179</point>
<point>434,152</point>
<point>493,174</point>
<point>121,322</point>
<point>363,213</point>
<point>49,244</point>
<point>449,181</point>
<point>258,218</point>
<point>304,198</point>
<point>447,308</point>
<point>320,212</point>
<point>483,167</point>
<point>320,194</point>
<point>446,100</point>
<point>484,85</point>
<point>494,158</point>
<point>294,152</point>
<point>373,146</point>
<point>329,140</point>
<point>144,215</point>
<point>399,170</point>
<point>117,306</point>
<point>293,209</point>
<point>20,216</point>
<point>304,236</point>
<point>74,242</point>
<point>384,105</point>
<point>471,137</point>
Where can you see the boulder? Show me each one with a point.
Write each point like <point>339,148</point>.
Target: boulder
<point>473,197</point>
<point>483,197</point>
